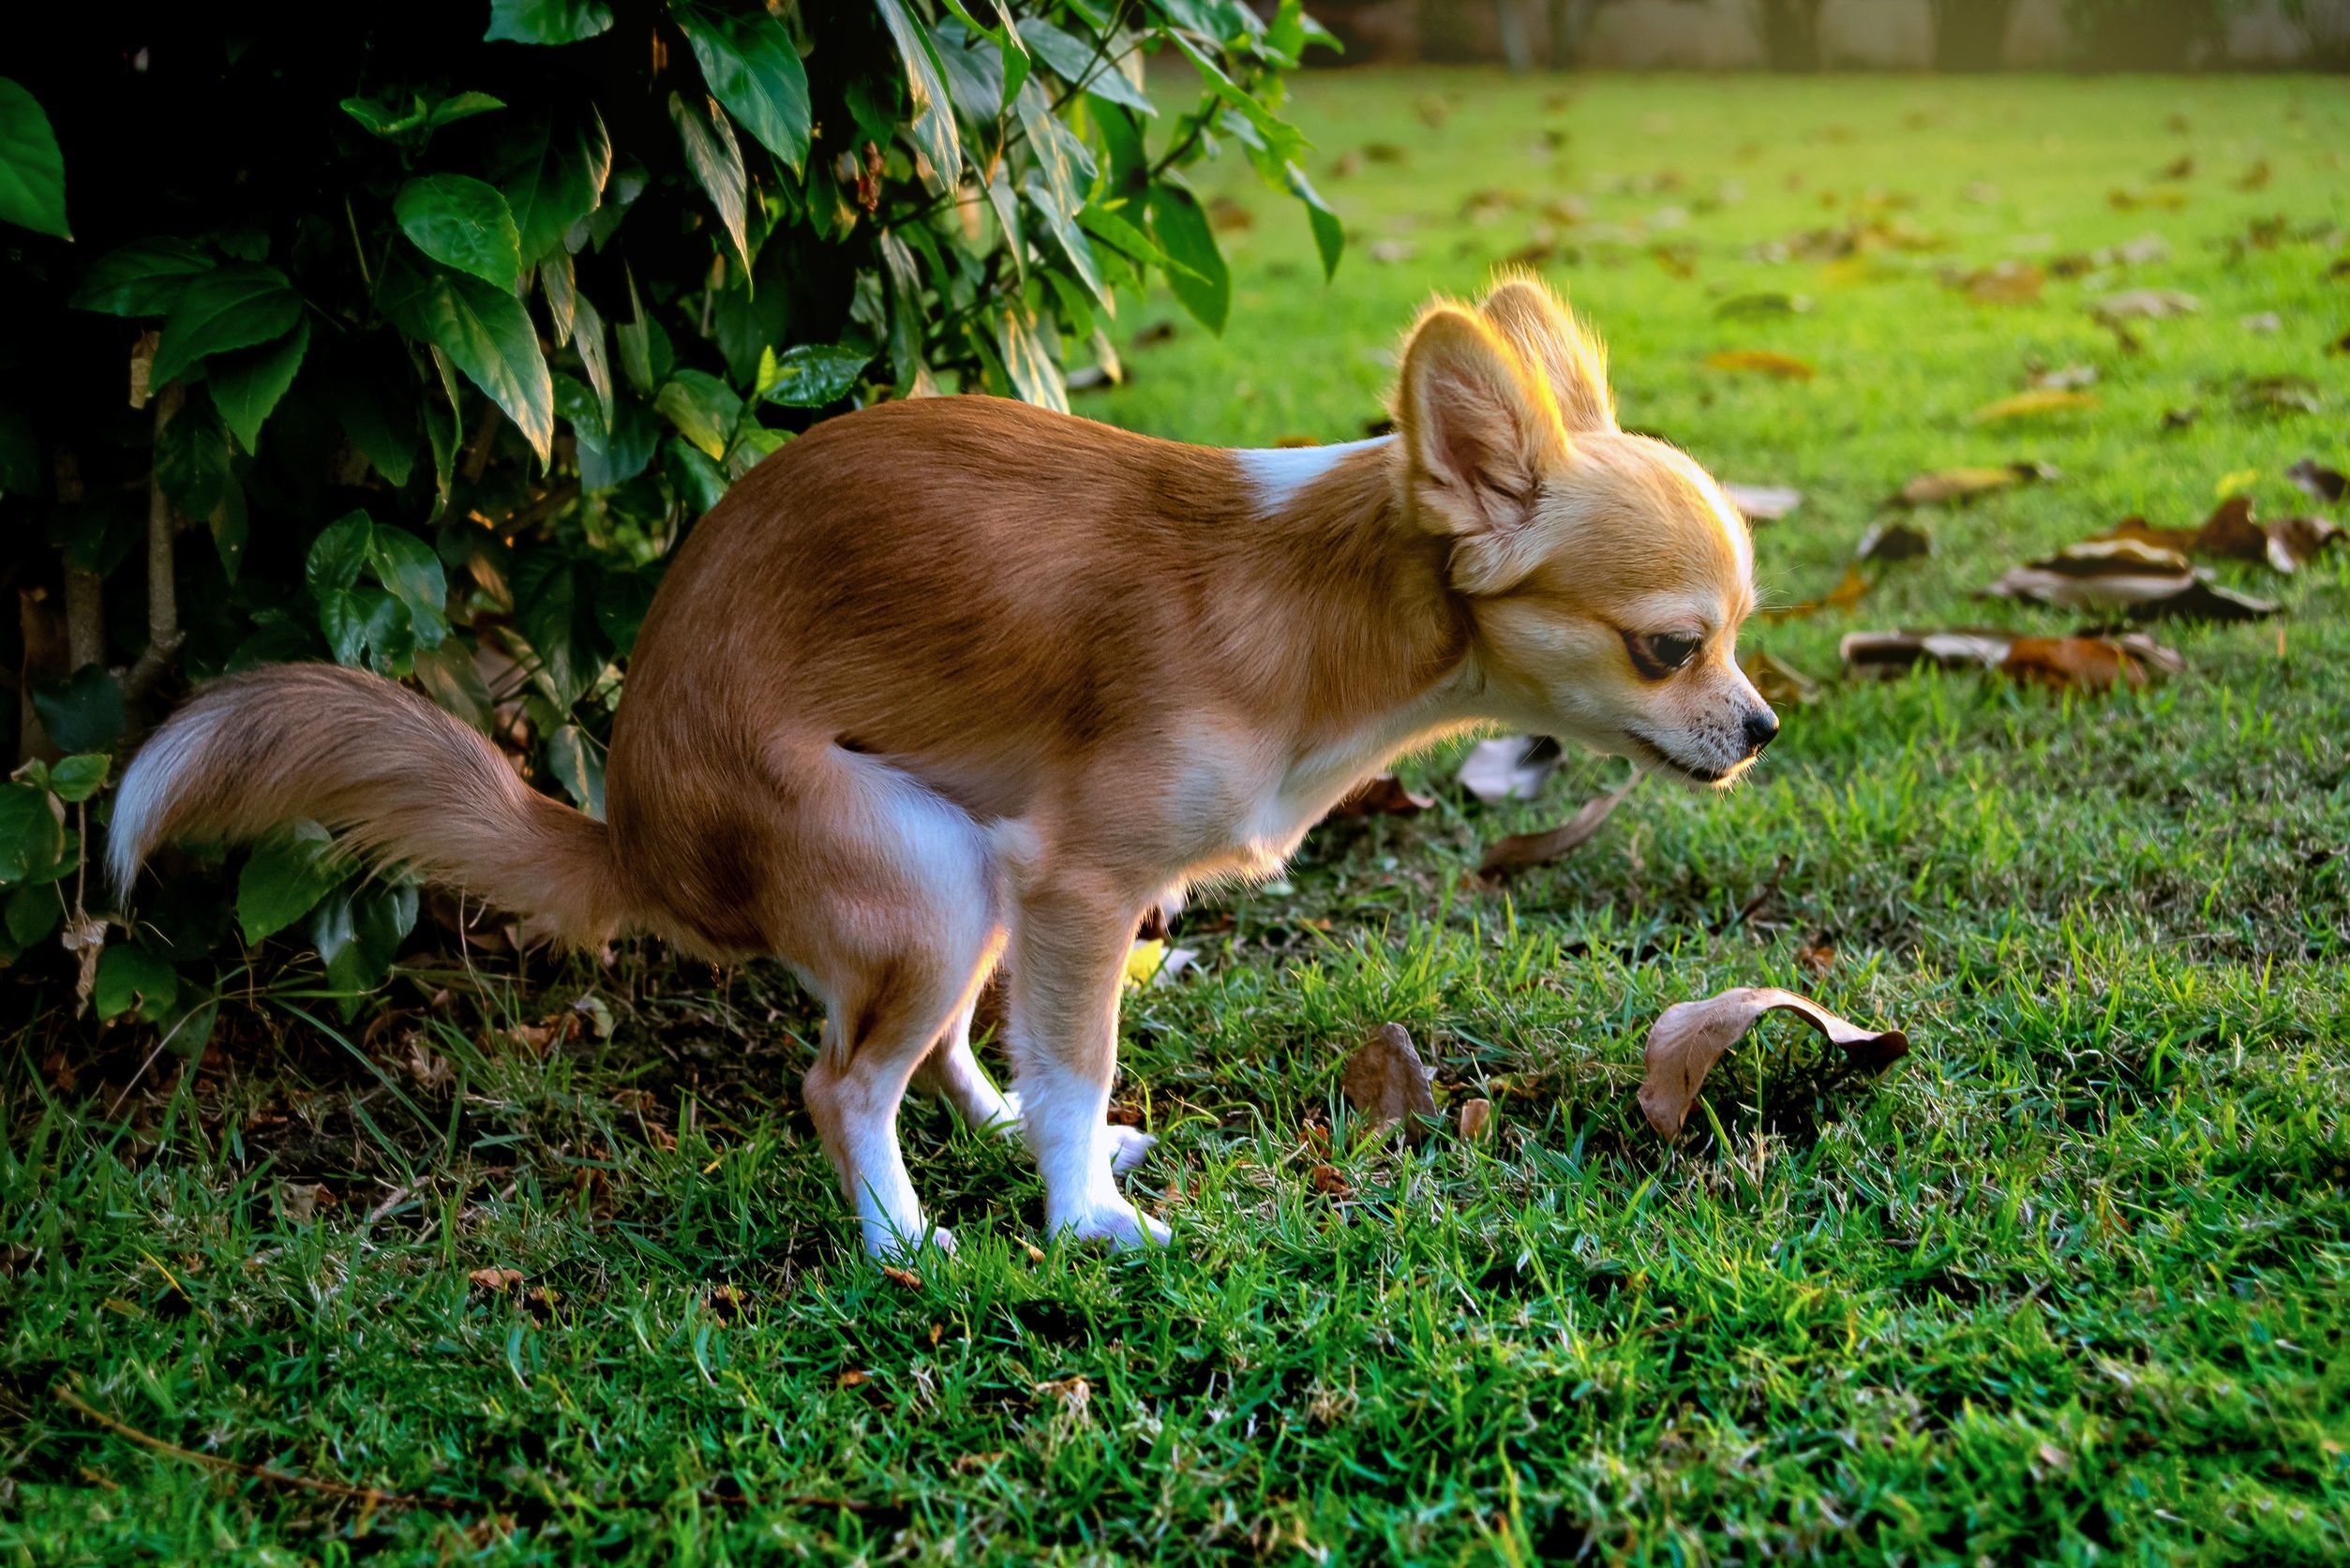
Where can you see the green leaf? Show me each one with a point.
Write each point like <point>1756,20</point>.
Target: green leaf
<point>246,386</point>
<point>32,170</point>
<point>554,600</point>
<point>408,566</point>
<point>635,337</point>
<point>145,277</point>
<point>365,925</point>
<point>409,121</point>
<point>130,977</point>
<point>620,603</point>
<point>1105,224</point>
<point>548,22</point>
<point>288,873</point>
<point>379,422</point>
<point>813,375</point>
<point>461,222</point>
<point>78,777</point>
<point>1329,234</point>
<point>703,408</point>
<point>1034,375</point>
<point>711,152</point>
<point>34,912</point>
<point>338,553</point>
<point>552,175</point>
<point>933,113</point>
<point>579,766</point>
<point>701,482</point>
<point>235,305</point>
<point>32,833</point>
<point>1283,142</point>
<point>82,713</point>
<point>366,626</point>
<point>752,68</point>
<point>1183,230</point>
<point>192,457</point>
<point>1074,60</point>
<point>486,332</point>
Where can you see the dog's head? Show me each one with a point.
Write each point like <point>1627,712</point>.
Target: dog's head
<point>1606,573</point>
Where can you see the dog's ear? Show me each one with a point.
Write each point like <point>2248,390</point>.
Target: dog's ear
<point>1538,323</point>
<point>1481,430</point>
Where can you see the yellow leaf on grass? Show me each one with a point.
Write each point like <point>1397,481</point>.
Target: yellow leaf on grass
<point>1762,362</point>
<point>2050,399</point>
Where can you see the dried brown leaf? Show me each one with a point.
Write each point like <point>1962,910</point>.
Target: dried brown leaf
<point>2054,400</point>
<point>496,1279</point>
<point>2321,484</point>
<point>2008,283</point>
<point>1388,1085</point>
<point>1762,362</point>
<point>1891,541</point>
<point>1521,851</point>
<point>1329,1179</point>
<point>1960,483</point>
<point>1690,1036</point>
<point>1476,1119</point>
<point>2087,664</point>
<point>907,1278</point>
<point>1887,654</point>
<point>1385,796</point>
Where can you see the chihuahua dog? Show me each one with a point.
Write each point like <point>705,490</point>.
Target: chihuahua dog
<point>958,680</point>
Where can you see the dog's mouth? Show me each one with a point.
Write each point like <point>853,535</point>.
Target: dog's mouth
<point>1648,749</point>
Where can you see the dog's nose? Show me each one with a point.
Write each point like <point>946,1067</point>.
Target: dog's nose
<point>1763,727</point>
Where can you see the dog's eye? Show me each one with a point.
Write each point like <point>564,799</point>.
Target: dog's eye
<point>1657,654</point>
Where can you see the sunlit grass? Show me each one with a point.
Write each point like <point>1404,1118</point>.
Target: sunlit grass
<point>2066,1285</point>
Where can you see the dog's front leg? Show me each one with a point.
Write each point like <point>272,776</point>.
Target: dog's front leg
<point>1067,957</point>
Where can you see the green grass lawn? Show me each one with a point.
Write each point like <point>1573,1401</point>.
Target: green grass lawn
<point>2066,1285</point>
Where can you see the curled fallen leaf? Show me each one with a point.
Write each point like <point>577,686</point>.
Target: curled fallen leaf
<point>2127,576</point>
<point>1762,362</point>
<point>2322,484</point>
<point>854,1378</point>
<point>2007,283</point>
<point>1385,796</point>
<point>1891,541</point>
<point>2150,304</point>
<point>1509,769</point>
<point>1886,654</point>
<point>2088,664</point>
<point>1329,1179</point>
<point>1522,851</point>
<point>496,1279</point>
<point>1781,684</point>
<point>1690,1036</point>
<point>1386,1083</point>
<point>1476,1119</point>
<point>1763,504</point>
<point>907,1278</point>
<point>2285,545</point>
<point>1961,484</point>
<point>2052,399</point>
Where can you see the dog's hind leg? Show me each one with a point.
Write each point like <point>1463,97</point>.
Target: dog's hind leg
<point>907,931</point>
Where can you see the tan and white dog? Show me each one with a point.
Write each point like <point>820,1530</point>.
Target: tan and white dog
<point>958,680</point>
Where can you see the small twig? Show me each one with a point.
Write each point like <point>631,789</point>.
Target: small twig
<point>367,1494</point>
<point>484,432</point>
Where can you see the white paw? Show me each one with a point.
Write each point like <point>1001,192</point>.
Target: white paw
<point>1128,1147</point>
<point>1006,1123</point>
<point>1118,1223</point>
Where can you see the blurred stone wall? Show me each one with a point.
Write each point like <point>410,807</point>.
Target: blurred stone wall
<point>1729,35</point>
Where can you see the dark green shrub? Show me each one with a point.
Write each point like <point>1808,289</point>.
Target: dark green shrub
<point>416,336</point>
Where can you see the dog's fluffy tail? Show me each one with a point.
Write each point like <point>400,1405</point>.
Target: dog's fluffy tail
<point>403,781</point>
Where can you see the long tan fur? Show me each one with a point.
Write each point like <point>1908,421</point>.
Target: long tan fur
<point>954,681</point>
